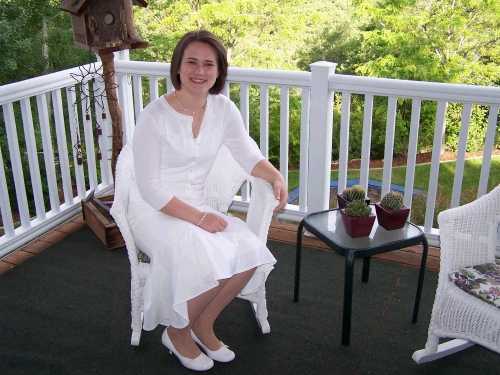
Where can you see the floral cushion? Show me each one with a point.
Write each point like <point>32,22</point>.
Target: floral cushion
<point>482,281</point>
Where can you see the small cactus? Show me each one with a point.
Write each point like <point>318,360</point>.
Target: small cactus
<point>347,194</point>
<point>357,208</point>
<point>357,192</point>
<point>392,200</point>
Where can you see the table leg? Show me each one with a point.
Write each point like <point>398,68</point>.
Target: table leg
<point>420,278</point>
<point>366,269</point>
<point>298,254</point>
<point>348,284</point>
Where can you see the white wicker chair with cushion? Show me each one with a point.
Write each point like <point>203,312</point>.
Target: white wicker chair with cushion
<point>222,184</point>
<point>466,303</point>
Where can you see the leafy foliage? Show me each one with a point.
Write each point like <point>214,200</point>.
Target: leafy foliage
<point>454,41</point>
<point>22,40</point>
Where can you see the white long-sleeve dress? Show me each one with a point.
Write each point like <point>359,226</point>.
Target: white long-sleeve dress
<point>185,259</point>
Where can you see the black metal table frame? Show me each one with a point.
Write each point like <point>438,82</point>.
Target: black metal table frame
<point>351,255</point>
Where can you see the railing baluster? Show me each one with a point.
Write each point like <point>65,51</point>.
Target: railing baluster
<point>389,144</point>
<point>304,146</point>
<point>75,135</point>
<point>31,149</point>
<point>436,156</point>
<point>137,91</point>
<point>489,142</point>
<point>245,114</point>
<point>411,161</point>
<point>462,148</point>
<point>264,120</point>
<point>17,168</point>
<point>5,208</point>
<point>48,152</point>
<point>62,149</point>
<point>153,88</point>
<point>126,106</point>
<point>104,138</point>
<point>366,141</point>
<point>345,119</point>
<point>284,130</point>
<point>88,137</point>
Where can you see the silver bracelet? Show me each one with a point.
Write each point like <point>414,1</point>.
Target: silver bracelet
<point>205,214</point>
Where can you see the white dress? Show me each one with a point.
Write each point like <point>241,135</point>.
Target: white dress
<point>185,259</point>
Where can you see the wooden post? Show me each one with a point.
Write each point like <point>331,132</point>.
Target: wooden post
<point>108,67</point>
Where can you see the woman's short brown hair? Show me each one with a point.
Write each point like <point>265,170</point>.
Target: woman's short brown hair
<point>209,38</point>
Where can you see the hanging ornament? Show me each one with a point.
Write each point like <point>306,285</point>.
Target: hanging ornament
<point>91,95</point>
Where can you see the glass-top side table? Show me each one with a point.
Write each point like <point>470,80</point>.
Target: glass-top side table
<point>329,228</point>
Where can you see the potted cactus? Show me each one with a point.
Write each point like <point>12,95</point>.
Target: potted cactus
<point>350,194</point>
<point>358,218</point>
<point>391,211</point>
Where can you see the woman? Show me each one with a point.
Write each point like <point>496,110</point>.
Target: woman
<point>200,259</point>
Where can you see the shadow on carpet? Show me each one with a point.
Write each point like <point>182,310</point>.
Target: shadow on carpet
<point>67,311</point>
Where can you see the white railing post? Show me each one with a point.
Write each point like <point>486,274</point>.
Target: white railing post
<point>320,137</point>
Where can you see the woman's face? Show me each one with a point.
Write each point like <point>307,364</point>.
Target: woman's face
<point>198,69</point>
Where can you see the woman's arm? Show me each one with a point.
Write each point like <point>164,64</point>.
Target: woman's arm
<point>210,222</point>
<point>265,170</point>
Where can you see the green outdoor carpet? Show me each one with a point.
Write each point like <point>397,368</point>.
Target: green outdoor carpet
<point>67,311</point>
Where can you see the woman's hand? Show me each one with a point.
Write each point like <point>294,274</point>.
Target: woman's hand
<point>213,223</point>
<point>281,193</point>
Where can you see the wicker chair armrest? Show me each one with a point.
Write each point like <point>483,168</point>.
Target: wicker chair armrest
<point>260,210</point>
<point>469,233</point>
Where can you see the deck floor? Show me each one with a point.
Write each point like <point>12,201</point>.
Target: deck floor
<point>279,231</point>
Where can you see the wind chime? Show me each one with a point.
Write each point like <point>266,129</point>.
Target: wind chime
<point>89,89</point>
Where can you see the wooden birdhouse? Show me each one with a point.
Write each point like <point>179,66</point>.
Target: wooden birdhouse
<point>104,26</point>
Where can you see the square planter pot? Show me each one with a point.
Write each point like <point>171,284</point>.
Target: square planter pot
<point>357,226</point>
<point>341,201</point>
<point>391,219</point>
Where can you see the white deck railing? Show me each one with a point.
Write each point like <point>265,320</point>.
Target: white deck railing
<point>61,120</point>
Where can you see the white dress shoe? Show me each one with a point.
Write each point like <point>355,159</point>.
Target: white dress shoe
<point>200,363</point>
<point>221,355</point>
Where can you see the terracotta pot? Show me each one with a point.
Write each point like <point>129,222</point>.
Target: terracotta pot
<point>341,201</point>
<point>391,219</point>
<point>357,226</point>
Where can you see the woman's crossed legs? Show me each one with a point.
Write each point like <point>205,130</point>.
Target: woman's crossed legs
<point>203,311</point>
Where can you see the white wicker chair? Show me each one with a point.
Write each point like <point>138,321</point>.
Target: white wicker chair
<point>468,238</point>
<point>222,184</point>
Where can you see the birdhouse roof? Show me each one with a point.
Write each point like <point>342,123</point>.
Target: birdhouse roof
<point>77,7</point>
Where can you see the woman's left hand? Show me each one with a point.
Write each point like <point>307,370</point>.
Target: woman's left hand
<point>281,194</point>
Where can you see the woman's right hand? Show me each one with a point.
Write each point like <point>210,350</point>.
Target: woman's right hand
<point>213,223</point>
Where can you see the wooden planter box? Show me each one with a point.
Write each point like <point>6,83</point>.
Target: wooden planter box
<point>102,223</point>
<point>391,219</point>
<point>357,226</point>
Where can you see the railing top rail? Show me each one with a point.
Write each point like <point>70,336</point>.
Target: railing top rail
<point>487,95</point>
<point>269,77</point>
<point>42,84</point>
<point>142,68</point>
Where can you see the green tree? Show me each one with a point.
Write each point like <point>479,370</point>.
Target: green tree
<point>258,34</point>
<point>456,41</point>
<point>22,40</point>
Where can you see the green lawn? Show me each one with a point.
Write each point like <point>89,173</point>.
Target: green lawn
<point>472,173</point>
<point>422,172</point>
